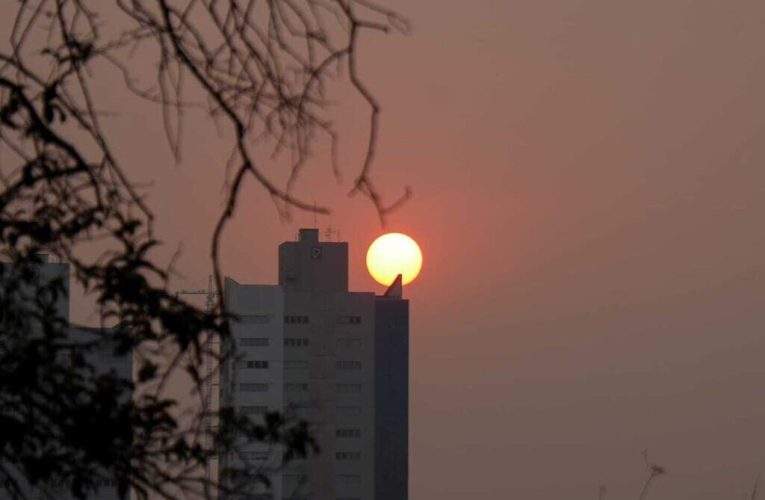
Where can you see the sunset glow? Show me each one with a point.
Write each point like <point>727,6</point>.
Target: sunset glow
<point>393,254</point>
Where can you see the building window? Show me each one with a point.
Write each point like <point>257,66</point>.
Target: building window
<point>348,365</point>
<point>259,319</point>
<point>347,479</point>
<point>299,406</point>
<point>348,455</point>
<point>349,411</point>
<point>349,320</point>
<point>350,343</point>
<point>296,342</point>
<point>295,365</point>
<point>106,348</point>
<point>347,433</point>
<point>256,456</point>
<point>348,388</point>
<point>296,320</point>
<point>300,409</point>
<point>254,342</point>
<point>256,364</point>
<point>253,387</point>
<point>296,478</point>
<point>257,496</point>
<point>100,483</point>
<point>253,410</point>
<point>296,387</point>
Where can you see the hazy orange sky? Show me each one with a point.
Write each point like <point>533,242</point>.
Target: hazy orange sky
<point>589,195</point>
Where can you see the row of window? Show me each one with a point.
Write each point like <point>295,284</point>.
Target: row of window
<point>348,388</point>
<point>349,343</point>
<point>257,496</point>
<point>254,455</point>
<point>348,479</point>
<point>343,411</point>
<point>348,411</point>
<point>262,455</point>
<point>352,343</point>
<point>295,364</point>
<point>253,387</point>
<point>262,319</point>
<point>301,320</point>
<point>267,496</point>
<point>65,483</point>
<point>349,320</point>
<point>249,319</point>
<point>295,342</point>
<point>300,405</point>
<point>348,365</point>
<point>354,411</point>
<point>255,342</point>
<point>253,410</point>
<point>296,478</point>
<point>296,387</point>
<point>348,433</point>
<point>258,364</point>
<point>290,387</point>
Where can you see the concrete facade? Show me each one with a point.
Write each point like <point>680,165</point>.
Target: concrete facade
<point>338,359</point>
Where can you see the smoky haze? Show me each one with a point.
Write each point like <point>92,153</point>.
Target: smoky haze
<point>589,194</point>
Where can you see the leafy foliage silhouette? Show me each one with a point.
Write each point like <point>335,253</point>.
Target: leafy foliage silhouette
<point>262,68</point>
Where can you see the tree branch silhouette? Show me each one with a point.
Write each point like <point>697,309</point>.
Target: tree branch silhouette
<point>264,70</point>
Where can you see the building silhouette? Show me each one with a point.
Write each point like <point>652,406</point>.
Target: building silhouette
<point>21,287</point>
<point>338,359</point>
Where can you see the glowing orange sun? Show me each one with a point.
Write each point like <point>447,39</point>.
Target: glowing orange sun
<point>393,254</point>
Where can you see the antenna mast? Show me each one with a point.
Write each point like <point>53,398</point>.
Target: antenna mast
<point>329,233</point>
<point>211,379</point>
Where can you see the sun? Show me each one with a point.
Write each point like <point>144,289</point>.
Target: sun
<point>393,254</point>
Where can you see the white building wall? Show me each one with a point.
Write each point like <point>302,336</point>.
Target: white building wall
<point>253,380</point>
<point>333,390</point>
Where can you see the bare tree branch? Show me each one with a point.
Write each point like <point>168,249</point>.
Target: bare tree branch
<point>263,71</point>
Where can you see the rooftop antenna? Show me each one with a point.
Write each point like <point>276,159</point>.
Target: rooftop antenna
<point>328,233</point>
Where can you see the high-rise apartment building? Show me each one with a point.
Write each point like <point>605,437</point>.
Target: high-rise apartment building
<point>340,360</point>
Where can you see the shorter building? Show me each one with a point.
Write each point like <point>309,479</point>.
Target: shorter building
<point>30,291</point>
<point>104,357</point>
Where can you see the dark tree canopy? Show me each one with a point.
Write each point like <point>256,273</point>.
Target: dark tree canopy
<point>262,68</point>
